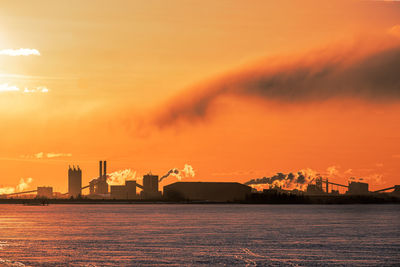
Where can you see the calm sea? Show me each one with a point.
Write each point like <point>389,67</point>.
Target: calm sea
<point>195,235</point>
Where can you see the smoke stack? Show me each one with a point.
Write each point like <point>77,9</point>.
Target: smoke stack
<point>105,168</point>
<point>100,168</point>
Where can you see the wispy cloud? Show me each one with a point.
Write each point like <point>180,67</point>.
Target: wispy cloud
<point>39,89</point>
<point>5,87</point>
<point>43,155</point>
<point>19,52</point>
<point>58,155</point>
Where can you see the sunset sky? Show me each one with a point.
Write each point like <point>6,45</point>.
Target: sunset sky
<point>236,90</point>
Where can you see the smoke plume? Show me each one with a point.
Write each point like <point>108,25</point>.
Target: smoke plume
<point>365,70</point>
<point>23,185</point>
<point>172,171</point>
<point>298,180</point>
<point>186,172</point>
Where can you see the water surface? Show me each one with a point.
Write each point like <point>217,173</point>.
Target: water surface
<point>193,235</point>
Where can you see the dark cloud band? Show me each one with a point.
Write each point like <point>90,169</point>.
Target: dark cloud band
<point>372,76</point>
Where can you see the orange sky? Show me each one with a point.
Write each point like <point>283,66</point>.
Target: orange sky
<point>109,66</point>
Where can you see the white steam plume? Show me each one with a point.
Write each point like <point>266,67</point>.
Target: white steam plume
<point>23,185</point>
<point>298,180</point>
<point>119,177</point>
<point>186,172</point>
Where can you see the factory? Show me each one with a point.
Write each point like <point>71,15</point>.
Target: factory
<point>321,186</point>
<point>149,190</point>
<point>207,191</point>
<point>99,187</point>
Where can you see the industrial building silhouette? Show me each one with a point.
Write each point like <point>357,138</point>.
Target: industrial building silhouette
<point>353,188</point>
<point>74,181</point>
<point>128,191</point>
<point>99,186</point>
<point>207,191</point>
<point>193,191</point>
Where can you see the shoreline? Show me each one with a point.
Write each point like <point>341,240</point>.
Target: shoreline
<point>276,200</point>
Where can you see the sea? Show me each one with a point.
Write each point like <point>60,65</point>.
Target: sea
<point>199,235</point>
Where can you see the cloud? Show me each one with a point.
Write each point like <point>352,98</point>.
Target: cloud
<point>363,70</point>
<point>42,155</point>
<point>5,87</point>
<point>58,155</point>
<point>19,52</point>
<point>39,89</point>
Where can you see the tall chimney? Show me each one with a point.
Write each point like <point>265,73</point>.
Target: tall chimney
<point>105,168</point>
<point>100,168</point>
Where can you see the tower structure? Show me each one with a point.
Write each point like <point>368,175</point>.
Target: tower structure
<point>74,181</point>
<point>99,186</point>
<point>102,185</point>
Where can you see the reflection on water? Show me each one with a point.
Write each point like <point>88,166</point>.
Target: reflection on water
<point>252,235</point>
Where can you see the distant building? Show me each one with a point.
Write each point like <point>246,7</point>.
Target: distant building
<point>127,191</point>
<point>44,192</point>
<point>74,181</point>
<point>150,187</point>
<point>207,191</point>
<point>358,188</point>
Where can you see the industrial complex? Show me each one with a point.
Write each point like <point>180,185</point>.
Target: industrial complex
<point>131,190</point>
